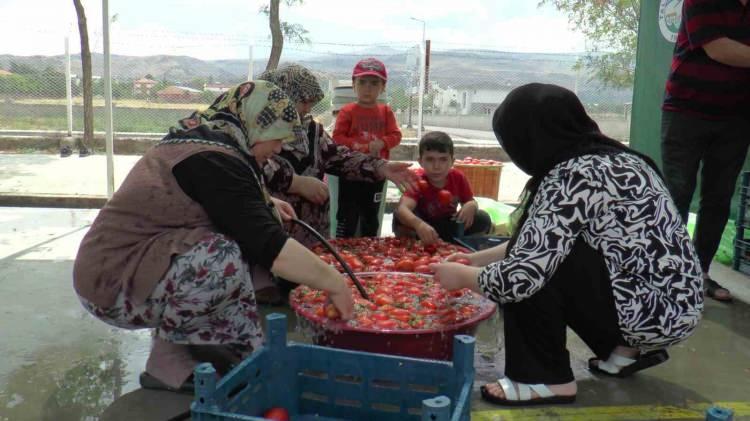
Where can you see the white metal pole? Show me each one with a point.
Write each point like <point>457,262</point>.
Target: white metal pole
<point>250,69</point>
<point>68,88</point>
<point>422,67</point>
<point>109,140</point>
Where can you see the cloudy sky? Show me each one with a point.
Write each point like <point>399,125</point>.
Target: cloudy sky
<point>223,29</point>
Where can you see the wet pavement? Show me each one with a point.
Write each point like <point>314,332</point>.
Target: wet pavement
<point>59,363</point>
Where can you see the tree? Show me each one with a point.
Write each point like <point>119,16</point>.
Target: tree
<point>281,30</point>
<point>612,28</point>
<point>21,68</point>
<point>88,100</point>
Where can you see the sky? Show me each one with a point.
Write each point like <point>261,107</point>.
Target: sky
<point>224,29</point>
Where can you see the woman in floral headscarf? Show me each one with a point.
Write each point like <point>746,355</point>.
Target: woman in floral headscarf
<point>296,174</point>
<point>174,249</point>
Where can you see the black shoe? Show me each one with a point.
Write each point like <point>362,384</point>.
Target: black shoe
<point>712,287</point>
<point>66,151</point>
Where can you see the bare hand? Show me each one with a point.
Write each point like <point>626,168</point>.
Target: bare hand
<point>456,276</point>
<point>376,146</point>
<point>286,211</point>
<point>342,298</point>
<point>457,257</point>
<point>313,190</point>
<point>400,175</point>
<point>427,233</point>
<point>467,213</point>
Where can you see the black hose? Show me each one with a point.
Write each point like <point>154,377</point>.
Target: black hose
<point>333,251</point>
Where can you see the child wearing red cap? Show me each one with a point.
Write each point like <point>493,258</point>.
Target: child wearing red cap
<point>370,127</point>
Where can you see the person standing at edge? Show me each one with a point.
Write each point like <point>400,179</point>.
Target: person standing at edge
<point>706,118</point>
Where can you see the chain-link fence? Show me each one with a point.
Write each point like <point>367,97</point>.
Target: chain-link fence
<point>464,86</point>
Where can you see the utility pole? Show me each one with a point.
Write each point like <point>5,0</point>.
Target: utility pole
<point>422,63</point>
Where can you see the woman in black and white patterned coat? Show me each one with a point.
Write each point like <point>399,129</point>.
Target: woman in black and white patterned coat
<point>599,247</point>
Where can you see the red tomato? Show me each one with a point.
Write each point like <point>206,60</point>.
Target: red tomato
<point>423,185</point>
<point>414,290</point>
<point>463,261</point>
<point>405,265</point>
<point>276,414</point>
<point>422,269</point>
<point>400,316</point>
<point>354,263</point>
<point>379,316</point>
<point>331,312</point>
<point>445,197</point>
<point>429,304</point>
<point>363,321</point>
<point>386,324</point>
<point>425,311</point>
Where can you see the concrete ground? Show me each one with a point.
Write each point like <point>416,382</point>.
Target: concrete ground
<point>59,363</point>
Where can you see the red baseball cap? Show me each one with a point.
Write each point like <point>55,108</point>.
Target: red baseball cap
<point>370,67</point>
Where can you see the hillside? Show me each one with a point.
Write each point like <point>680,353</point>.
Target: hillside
<point>462,67</point>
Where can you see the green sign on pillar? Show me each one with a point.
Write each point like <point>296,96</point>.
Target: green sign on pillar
<point>657,32</point>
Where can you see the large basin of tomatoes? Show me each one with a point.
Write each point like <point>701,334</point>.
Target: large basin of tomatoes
<point>410,314</point>
<point>387,254</point>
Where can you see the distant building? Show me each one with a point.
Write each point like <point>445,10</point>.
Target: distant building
<point>217,87</point>
<point>475,98</point>
<point>179,94</point>
<point>143,86</point>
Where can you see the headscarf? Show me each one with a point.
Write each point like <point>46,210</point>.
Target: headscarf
<point>249,113</point>
<point>540,126</point>
<point>300,85</point>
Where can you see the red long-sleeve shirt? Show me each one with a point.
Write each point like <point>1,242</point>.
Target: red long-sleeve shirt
<point>356,126</point>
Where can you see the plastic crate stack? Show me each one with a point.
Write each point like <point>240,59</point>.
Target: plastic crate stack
<point>742,240</point>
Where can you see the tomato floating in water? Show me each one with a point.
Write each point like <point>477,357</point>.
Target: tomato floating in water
<point>400,302</point>
<point>276,414</point>
<point>422,269</point>
<point>405,265</point>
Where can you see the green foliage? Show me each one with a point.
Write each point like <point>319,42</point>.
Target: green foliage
<point>197,83</point>
<point>47,83</point>
<point>293,32</point>
<point>18,85</point>
<point>21,69</point>
<point>611,27</point>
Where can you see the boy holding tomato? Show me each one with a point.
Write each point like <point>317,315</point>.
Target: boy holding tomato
<point>432,211</point>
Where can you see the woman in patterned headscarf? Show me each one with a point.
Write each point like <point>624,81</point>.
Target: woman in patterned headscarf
<point>175,248</point>
<point>296,174</point>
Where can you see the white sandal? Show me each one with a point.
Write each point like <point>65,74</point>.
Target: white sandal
<point>523,396</point>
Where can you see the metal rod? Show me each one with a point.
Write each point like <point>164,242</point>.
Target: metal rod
<point>333,251</point>
<point>108,124</point>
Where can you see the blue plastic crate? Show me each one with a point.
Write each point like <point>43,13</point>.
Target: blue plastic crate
<point>314,382</point>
